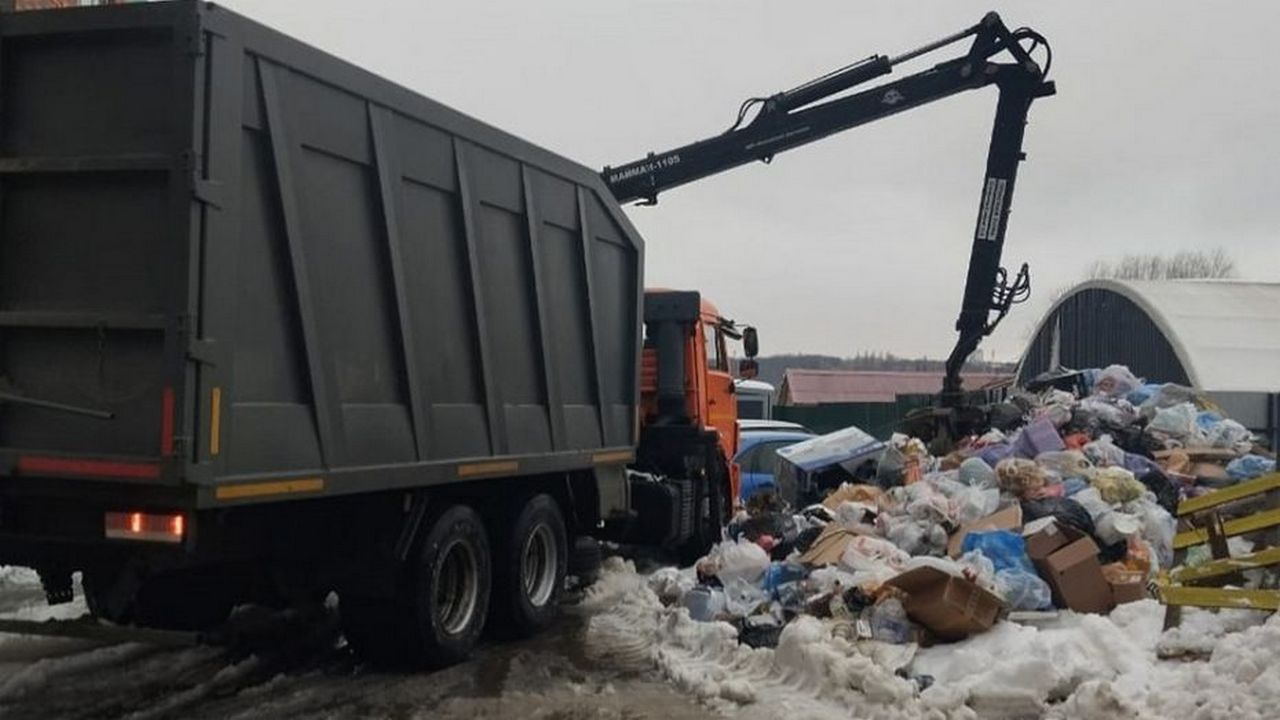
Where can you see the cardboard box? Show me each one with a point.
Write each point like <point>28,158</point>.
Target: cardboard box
<point>1067,559</point>
<point>1009,518</point>
<point>829,546</point>
<point>1129,591</point>
<point>1208,470</point>
<point>1126,585</point>
<point>949,606</point>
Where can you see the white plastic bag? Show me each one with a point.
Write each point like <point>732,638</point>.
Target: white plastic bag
<point>872,554</point>
<point>741,598</point>
<point>1177,421</point>
<point>742,559</point>
<point>1103,452</point>
<point>1115,381</point>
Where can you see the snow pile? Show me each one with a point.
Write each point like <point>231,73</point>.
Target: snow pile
<point>1075,666</point>
<point>13,576</point>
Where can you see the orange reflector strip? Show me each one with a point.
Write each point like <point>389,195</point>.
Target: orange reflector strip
<point>279,487</point>
<point>145,526</point>
<point>612,457</point>
<point>215,421</point>
<point>488,468</point>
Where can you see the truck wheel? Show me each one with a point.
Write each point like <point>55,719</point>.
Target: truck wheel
<point>711,515</point>
<point>528,578</point>
<point>439,610</point>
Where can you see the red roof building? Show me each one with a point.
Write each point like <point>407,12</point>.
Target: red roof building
<point>825,387</point>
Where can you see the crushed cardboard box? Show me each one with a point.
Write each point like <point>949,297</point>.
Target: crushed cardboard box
<point>1067,559</point>
<point>949,606</point>
<point>828,547</point>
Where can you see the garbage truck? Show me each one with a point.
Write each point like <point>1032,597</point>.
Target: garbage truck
<point>272,327</point>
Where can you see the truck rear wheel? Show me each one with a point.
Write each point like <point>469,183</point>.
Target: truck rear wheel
<point>439,609</point>
<point>529,569</point>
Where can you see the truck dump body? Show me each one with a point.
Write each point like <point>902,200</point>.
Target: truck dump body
<point>283,277</point>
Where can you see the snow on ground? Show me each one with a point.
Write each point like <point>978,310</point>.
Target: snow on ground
<point>622,654</point>
<point>1077,666</point>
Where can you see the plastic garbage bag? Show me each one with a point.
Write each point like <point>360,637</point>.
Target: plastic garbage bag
<point>1164,490</point>
<point>1117,527</point>
<point>1038,437</point>
<point>1229,434</point>
<point>1177,421</point>
<point>1206,419</point>
<point>1023,590</point>
<point>1115,381</point>
<point>1250,467</point>
<point>742,598</point>
<point>1142,393</point>
<point>1112,413</point>
<point>1103,452</point>
<point>1140,465</point>
<point>782,573</point>
<point>1158,527</point>
<point>976,472</point>
<point>915,537</point>
<point>1117,485</point>
<point>973,504</point>
<point>1065,463</point>
<point>1073,485</point>
<point>1020,477</point>
<point>1168,395</point>
<point>1066,510</point>
<point>872,554</point>
<point>704,603</point>
<point>740,559</point>
<point>888,621</point>
<point>1004,548</point>
<point>993,454</point>
<point>978,568</point>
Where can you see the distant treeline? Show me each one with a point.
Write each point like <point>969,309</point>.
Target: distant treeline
<point>773,366</point>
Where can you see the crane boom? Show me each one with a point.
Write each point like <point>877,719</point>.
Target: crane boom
<point>809,113</point>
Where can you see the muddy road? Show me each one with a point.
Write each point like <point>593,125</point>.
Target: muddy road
<point>287,668</point>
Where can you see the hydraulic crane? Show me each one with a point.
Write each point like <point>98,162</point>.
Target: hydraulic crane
<point>809,113</point>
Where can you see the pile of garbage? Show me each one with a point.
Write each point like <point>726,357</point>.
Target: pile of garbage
<point>1066,500</point>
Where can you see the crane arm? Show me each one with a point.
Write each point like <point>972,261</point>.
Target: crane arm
<point>808,113</point>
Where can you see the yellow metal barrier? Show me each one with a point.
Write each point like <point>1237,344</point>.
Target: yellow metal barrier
<point>1201,585</point>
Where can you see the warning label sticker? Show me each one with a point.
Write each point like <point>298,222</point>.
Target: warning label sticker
<point>992,208</point>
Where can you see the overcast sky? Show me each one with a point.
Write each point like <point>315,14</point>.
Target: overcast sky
<point>1163,137</point>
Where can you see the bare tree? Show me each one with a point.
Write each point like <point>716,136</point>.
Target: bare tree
<point>1213,264</point>
<point>1185,265</point>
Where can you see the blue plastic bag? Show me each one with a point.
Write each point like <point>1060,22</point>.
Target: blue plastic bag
<point>1206,419</point>
<point>1250,467</point>
<point>1004,548</point>
<point>1016,579</point>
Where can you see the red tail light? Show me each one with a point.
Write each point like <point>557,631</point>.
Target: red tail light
<point>145,526</point>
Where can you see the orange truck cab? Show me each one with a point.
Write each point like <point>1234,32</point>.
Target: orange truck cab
<point>689,423</point>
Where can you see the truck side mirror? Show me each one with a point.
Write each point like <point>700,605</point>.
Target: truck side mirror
<point>748,368</point>
<point>750,342</point>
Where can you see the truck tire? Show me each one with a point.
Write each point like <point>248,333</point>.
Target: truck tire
<point>711,516</point>
<point>529,570</point>
<point>440,607</point>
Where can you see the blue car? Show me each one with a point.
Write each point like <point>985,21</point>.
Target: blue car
<point>758,457</point>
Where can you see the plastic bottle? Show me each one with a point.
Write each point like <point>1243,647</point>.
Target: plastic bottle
<point>704,603</point>
<point>889,621</point>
